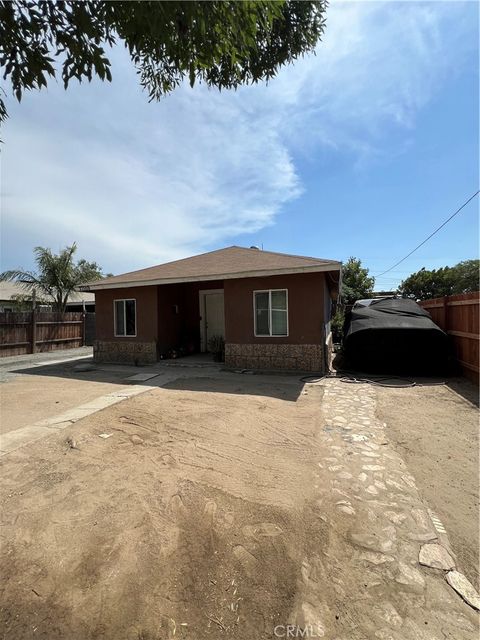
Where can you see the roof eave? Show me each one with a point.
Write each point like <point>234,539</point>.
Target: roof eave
<point>330,266</point>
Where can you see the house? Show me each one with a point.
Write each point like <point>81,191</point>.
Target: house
<point>14,297</point>
<point>272,309</point>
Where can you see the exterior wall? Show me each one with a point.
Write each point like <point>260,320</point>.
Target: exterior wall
<point>169,298</point>
<point>139,349</point>
<point>302,349</point>
<point>192,307</point>
<point>288,357</point>
<point>327,312</point>
<point>181,329</point>
<point>160,328</point>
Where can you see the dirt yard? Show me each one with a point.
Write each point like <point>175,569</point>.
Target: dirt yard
<point>29,398</point>
<point>207,513</point>
<point>436,431</point>
<point>140,526</point>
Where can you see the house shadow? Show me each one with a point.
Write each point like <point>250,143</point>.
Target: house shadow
<point>211,379</point>
<point>458,384</point>
<point>282,387</point>
<point>464,388</point>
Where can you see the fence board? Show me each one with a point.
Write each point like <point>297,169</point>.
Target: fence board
<point>459,317</point>
<point>31,332</point>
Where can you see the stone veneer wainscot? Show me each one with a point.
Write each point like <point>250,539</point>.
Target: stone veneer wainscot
<point>129,352</point>
<point>304,357</point>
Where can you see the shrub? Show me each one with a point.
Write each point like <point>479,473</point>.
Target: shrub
<point>216,346</point>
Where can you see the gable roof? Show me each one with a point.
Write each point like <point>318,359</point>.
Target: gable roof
<point>228,263</point>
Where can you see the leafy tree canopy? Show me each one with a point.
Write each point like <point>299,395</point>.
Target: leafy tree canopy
<point>223,43</point>
<point>356,283</point>
<point>57,275</point>
<point>446,281</point>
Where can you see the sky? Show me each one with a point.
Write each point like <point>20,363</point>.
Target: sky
<point>362,149</point>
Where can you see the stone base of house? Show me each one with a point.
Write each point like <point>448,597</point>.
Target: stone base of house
<point>125,352</point>
<point>301,357</point>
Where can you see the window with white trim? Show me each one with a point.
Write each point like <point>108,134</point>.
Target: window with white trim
<point>271,312</point>
<point>125,320</point>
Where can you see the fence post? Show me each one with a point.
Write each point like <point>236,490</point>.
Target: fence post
<point>84,329</point>
<point>444,314</point>
<point>34,330</point>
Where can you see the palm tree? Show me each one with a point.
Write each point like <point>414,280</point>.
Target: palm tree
<point>57,275</point>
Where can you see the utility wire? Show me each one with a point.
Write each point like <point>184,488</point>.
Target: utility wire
<point>431,235</point>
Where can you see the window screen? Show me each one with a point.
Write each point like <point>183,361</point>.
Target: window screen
<point>125,318</point>
<point>262,313</point>
<point>271,313</point>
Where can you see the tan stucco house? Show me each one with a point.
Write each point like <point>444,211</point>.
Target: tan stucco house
<point>273,309</point>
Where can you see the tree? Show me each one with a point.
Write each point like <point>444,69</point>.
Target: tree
<point>223,43</point>
<point>466,276</point>
<point>23,301</point>
<point>446,281</point>
<point>57,275</point>
<point>356,283</point>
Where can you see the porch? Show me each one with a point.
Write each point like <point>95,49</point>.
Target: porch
<point>189,316</point>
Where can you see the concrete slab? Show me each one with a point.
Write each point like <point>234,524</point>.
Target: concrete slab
<point>41,429</point>
<point>131,391</point>
<point>59,425</point>
<point>143,377</point>
<point>101,403</point>
<point>44,363</point>
<point>73,415</point>
<point>15,439</point>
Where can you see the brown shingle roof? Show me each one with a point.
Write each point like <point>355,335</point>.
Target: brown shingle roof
<point>225,263</point>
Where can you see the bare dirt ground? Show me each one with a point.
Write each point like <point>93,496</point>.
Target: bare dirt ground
<point>436,432</point>
<point>141,526</point>
<point>207,514</point>
<point>29,398</point>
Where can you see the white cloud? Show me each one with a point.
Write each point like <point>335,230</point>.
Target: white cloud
<point>137,183</point>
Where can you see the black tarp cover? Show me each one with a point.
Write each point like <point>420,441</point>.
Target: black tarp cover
<point>394,335</point>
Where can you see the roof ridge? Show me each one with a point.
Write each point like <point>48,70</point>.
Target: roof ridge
<point>280,253</point>
<point>164,264</point>
<point>220,262</point>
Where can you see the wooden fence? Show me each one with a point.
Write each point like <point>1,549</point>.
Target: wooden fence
<point>33,332</point>
<point>459,317</point>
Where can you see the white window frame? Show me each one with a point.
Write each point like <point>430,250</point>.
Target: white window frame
<point>269,335</point>
<point>123,335</point>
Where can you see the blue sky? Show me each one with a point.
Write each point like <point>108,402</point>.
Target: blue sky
<point>362,149</point>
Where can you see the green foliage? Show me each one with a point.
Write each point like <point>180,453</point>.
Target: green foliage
<point>356,283</point>
<point>57,275</point>
<point>223,43</point>
<point>337,325</point>
<point>446,281</point>
<point>23,301</point>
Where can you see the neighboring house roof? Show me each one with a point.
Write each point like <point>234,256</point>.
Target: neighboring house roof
<point>228,263</point>
<point>10,289</point>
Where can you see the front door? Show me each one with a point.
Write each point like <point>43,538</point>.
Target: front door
<point>214,316</point>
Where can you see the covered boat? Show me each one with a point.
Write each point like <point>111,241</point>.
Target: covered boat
<point>394,335</point>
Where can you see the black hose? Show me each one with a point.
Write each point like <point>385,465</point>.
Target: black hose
<point>350,377</point>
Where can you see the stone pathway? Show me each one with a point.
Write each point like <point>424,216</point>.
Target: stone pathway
<point>387,570</point>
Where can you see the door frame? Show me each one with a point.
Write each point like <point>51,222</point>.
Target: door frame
<point>203,315</point>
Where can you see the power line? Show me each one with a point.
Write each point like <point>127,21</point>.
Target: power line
<point>431,235</point>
